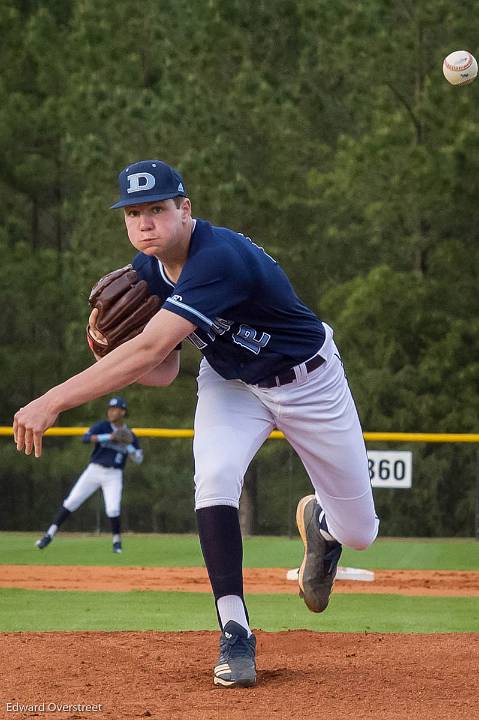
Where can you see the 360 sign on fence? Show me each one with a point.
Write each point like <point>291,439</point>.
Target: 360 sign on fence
<point>390,469</point>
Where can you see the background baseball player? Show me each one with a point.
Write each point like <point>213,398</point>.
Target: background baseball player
<point>268,362</point>
<point>114,443</point>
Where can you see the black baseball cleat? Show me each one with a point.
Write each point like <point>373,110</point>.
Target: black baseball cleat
<point>44,541</point>
<point>321,557</point>
<point>236,666</point>
<point>117,547</point>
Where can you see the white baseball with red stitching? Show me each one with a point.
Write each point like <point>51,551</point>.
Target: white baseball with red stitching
<point>460,67</point>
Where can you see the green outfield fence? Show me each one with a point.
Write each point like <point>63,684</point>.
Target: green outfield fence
<point>372,437</point>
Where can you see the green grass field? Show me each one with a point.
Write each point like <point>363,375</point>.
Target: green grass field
<point>41,610</point>
<point>184,551</point>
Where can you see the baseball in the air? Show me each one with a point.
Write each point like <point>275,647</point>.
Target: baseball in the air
<point>460,67</point>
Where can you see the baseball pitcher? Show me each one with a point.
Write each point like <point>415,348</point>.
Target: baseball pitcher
<point>268,362</point>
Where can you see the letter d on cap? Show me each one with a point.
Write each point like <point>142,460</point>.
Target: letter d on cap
<point>135,182</point>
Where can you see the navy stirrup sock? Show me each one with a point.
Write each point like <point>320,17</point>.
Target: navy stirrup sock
<point>61,516</point>
<point>115,525</point>
<point>222,546</point>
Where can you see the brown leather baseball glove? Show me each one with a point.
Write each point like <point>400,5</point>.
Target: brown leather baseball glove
<point>124,306</point>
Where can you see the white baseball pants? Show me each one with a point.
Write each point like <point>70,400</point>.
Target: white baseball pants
<point>109,479</point>
<point>319,419</point>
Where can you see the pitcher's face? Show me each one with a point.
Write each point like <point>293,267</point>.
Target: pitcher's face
<point>158,228</point>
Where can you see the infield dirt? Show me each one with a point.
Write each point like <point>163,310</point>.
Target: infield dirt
<point>168,676</point>
<point>257,580</point>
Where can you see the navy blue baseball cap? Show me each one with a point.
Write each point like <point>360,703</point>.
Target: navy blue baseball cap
<point>117,402</point>
<point>147,181</point>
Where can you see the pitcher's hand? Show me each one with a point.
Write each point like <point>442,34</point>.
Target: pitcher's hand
<point>29,424</point>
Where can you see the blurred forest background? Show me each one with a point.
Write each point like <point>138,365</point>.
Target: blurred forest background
<point>324,131</point>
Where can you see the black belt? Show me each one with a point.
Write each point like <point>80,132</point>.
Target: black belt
<point>289,375</point>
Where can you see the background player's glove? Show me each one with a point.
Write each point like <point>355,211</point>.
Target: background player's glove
<point>124,306</point>
<point>123,436</point>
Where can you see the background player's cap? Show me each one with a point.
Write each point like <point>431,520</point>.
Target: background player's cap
<point>118,402</point>
<point>147,181</point>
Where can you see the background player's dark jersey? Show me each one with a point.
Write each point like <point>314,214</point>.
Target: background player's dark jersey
<point>250,322</point>
<point>108,454</point>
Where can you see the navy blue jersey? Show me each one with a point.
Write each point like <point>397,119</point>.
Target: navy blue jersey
<point>108,454</point>
<point>250,322</point>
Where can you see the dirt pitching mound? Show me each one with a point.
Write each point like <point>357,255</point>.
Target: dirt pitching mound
<point>168,676</point>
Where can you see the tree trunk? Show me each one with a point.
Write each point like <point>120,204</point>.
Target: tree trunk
<point>247,509</point>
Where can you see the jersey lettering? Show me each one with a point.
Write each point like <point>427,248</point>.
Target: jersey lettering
<point>246,337</point>
<point>220,326</point>
<point>195,340</point>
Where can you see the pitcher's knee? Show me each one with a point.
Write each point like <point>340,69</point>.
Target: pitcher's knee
<point>359,538</point>
<point>218,484</point>
<point>71,505</point>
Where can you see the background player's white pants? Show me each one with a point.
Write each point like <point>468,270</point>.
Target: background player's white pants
<point>109,479</point>
<point>318,417</point>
